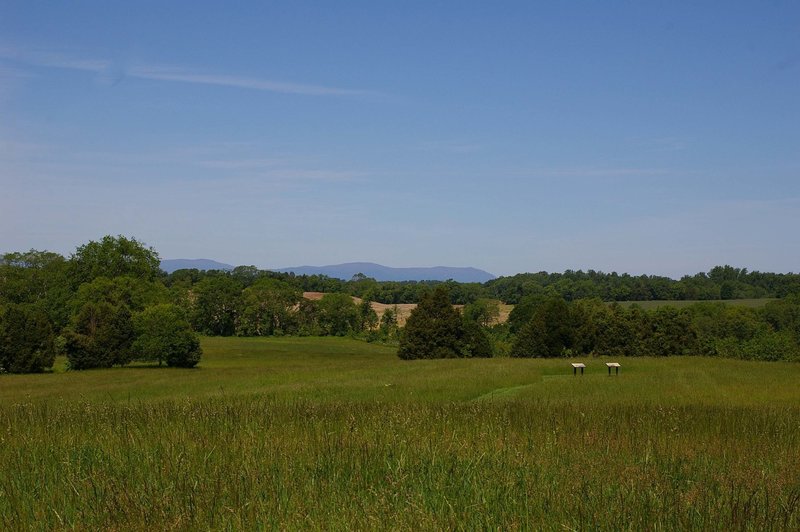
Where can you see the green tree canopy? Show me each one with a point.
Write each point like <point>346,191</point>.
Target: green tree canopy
<point>26,340</point>
<point>39,278</point>
<point>163,334</point>
<point>216,305</point>
<point>548,333</point>
<point>268,308</point>
<point>114,256</point>
<point>338,314</point>
<point>475,342</point>
<point>484,312</point>
<point>367,317</point>
<point>134,293</point>
<point>388,324</point>
<point>434,329</point>
<point>308,318</point>
<point>100,336</point>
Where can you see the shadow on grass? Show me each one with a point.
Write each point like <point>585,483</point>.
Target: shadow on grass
<point>128,366</point>
<point>156,366</point>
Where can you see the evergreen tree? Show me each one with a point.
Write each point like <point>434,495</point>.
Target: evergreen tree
<point>100,336</point>
<point>433,330</point>
<point>26,340</point>
<point>549,332</point>
<point>476,343</point>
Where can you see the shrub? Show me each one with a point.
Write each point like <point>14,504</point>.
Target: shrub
<point>26,340</point>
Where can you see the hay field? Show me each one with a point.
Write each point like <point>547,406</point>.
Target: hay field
<point>404,309</point>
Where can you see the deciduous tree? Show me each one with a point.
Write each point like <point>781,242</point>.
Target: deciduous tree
<point>217,303</point>
<point>338,314</point>
<point>114,256</point>
<point>163,334</point>
<point>484,312</point>
<point>268,308</point>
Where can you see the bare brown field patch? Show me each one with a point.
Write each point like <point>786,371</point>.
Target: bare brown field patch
<point>404,309</point>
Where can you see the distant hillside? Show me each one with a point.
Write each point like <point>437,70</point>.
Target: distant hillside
<point>171,265</point>
<point>385,273</point>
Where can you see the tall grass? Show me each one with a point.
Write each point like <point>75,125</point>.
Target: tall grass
<point>254,462</point>
<point>335,434</point>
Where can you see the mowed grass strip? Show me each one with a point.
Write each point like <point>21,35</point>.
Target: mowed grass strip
<point>338,434</point>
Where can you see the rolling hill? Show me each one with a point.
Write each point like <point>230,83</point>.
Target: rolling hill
<point>385,273</point>
<point>347,270</point>
<point>171,265</point>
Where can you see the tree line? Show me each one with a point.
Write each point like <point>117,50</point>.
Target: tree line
<point>104,306</point>
<point>224,304</point>
<point>361,286</point>
<point>549,326</point>
<point>109,304</point>
<point>720,283</point>
<point>553,327</point>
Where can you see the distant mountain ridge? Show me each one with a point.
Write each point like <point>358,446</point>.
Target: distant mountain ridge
<point>379,272</point>
<point>347,270</point>
<point>171,265</point>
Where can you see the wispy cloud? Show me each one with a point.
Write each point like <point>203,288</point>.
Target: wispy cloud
<point>47,58</point>
<point>181,75</point>
<point>176,74</point>
<point>21,160</point>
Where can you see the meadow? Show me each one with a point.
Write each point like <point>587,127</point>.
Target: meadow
<point>333,433</point>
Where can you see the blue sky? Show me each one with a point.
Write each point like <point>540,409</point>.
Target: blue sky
<point>635,137</point>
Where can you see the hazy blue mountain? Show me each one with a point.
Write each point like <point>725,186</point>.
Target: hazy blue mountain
<point>385,273</point>
<point>170,265</point>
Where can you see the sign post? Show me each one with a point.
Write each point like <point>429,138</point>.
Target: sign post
<point>575,367</point>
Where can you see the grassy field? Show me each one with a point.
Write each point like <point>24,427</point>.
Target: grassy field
<point>338,434</point>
